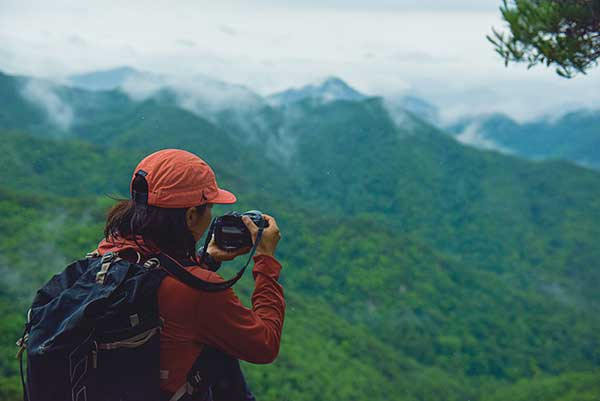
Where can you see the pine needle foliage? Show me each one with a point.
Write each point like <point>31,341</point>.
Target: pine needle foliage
<point>564,34</point>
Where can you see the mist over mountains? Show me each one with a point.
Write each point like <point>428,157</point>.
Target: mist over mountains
<point>574,136</point>
<point>416,268</point>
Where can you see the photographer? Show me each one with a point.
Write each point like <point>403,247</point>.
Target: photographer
<point>173,192</point>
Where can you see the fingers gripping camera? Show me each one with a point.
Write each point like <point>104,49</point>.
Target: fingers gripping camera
<point>231,233</point>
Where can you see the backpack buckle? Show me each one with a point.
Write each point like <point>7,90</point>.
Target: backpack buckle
<point>152,263</point>
<point>107,257</point>
<point>22,344</point>
<point>93,254</point>
<point>196,380</point>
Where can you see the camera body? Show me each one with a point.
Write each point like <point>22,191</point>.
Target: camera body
<point>232,234</point>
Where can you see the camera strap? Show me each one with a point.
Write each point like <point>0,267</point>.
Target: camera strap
<point>175,269</point>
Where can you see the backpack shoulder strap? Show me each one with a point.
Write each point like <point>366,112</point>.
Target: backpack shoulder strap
<point>175,269</point>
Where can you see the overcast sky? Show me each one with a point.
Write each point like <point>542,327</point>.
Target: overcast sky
<point>434,49</point>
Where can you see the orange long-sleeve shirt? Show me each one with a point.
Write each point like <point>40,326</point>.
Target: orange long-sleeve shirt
<point>193,319</point>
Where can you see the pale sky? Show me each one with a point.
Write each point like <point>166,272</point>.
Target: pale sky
<point>434,49</point>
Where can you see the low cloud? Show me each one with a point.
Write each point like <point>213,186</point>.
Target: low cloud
<point>472,136</point>
<point>400,116</point>
<point>201,93</point>
<point>198,94</point>
<point>43,94</point>
<point>142,86</point>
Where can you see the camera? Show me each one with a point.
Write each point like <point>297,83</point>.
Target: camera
<point>231,233</point>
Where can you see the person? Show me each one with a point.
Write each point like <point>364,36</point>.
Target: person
<point>173,192</point>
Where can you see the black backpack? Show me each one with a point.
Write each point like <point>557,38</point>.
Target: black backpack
<point>92,335</point>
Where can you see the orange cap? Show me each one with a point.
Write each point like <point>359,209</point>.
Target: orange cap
<point>179,179</point>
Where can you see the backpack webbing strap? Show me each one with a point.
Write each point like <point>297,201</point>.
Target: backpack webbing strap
<point>181,274</point>
<point>132,342</point>
<point>107,259</point>
<point>22,343</point>
<point>186,389</point>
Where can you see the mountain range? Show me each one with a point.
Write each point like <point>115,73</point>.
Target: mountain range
<point>574,136</point>
<point>415,268</point>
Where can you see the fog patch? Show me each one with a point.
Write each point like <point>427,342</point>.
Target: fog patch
<point>401,117</point>
<point>142,86</point>
<point>43,94</point>
<point>199,94</point>
<point>285,143</point>
<point>472,136</point>
<point>562,294</point>
<point>19,273</point>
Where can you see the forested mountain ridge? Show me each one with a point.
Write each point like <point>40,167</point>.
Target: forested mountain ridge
<point>415,268</point>
<point>425,183</point>
<point>574,136</point>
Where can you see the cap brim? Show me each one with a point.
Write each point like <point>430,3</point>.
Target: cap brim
<point>223,197</point>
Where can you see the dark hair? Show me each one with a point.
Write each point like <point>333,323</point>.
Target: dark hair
<point>164,228</point>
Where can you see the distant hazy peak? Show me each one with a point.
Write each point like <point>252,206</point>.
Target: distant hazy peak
<point>573,136</point>
<point>332,88</point>
<point>198,93</point>
<point>109,79</point>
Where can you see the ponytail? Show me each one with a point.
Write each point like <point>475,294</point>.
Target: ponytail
<point>160,227</point>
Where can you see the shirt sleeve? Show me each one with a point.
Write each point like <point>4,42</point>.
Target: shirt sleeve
<point>253,335</point>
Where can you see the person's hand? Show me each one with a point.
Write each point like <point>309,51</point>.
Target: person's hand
<point>220,255</point>
<point>270,235</point>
